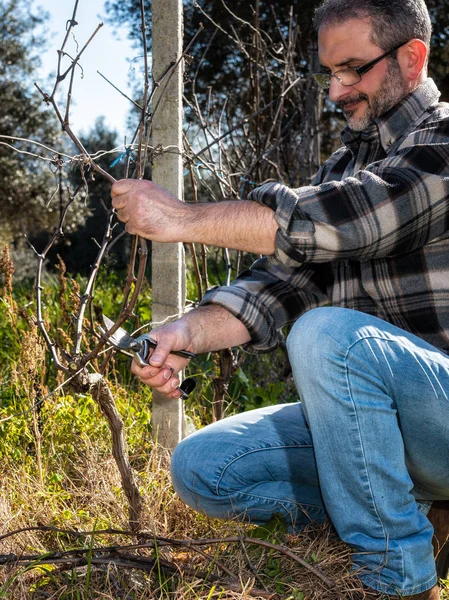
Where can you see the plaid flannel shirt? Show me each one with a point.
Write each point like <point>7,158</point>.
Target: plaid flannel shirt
<point>371,233</point>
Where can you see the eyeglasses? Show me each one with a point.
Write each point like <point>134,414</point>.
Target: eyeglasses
<point>351,75</point>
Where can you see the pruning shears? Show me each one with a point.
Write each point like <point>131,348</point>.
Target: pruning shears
<point>139,348</point>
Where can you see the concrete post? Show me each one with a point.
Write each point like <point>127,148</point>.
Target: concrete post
<point>168,264</point>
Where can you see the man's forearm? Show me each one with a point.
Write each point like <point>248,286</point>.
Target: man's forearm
<point>212,327</point>
<point>242,225</point>
<point>153,213</point>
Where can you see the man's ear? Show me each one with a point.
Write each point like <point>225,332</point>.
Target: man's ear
<point>413,58</point>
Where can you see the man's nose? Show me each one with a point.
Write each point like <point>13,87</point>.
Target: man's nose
<point>338,91</point>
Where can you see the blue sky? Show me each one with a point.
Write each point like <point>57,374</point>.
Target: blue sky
<point>109,52</point>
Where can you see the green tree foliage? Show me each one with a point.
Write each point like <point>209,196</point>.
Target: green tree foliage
<point>26,183</point>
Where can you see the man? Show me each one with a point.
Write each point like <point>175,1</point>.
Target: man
<point>368,446</point>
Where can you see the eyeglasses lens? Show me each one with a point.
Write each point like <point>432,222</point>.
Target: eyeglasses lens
<point>344,77</point>
<point>323,80</point>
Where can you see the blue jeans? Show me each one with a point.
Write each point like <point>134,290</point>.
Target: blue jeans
<point>367,448</point>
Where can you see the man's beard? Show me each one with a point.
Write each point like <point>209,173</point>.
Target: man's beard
<point>392,90</point>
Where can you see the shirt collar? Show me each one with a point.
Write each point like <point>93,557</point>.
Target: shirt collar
<point>394,123</point>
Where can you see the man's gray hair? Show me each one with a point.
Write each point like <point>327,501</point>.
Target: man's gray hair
<point>393,21</point>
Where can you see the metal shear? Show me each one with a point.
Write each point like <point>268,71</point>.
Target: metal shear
<point>139,348</point>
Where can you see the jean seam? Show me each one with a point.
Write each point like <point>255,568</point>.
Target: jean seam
<point>364,339</point>
<point>292,503</point>
<point>248,452</point>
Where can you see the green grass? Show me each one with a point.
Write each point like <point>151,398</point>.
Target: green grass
<point>56,469</point>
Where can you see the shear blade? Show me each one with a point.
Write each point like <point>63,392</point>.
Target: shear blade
<point>121,338</point>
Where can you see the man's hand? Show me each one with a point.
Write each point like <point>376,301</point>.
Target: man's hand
<point>150,211</point>
<point>203,329</point>
<point>162,372</point>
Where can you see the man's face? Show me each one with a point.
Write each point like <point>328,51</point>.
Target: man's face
<point>349,45</point>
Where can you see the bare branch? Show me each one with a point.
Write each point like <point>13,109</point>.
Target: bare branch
<point>122,93</point>
<point>154,541</point>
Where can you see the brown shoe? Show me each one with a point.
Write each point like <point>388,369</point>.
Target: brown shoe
<point>439,517</point>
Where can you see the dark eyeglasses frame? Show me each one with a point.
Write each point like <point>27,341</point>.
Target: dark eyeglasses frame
<point>359,70</point>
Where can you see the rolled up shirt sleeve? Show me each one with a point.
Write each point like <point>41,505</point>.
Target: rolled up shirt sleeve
<point>391,207</point>
<point>267,296</point>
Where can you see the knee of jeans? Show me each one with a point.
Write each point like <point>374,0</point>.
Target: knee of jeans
<point>316,334</point>
<point>189,483</point>
<point>313,326</point>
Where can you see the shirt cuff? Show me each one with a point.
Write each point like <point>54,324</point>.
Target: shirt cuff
<point>296,231</point>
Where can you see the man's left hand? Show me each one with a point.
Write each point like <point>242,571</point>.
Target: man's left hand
<point>148,210</point>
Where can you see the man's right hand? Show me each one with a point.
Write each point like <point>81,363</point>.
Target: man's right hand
<point>163,370</point>
<point>204,329</point>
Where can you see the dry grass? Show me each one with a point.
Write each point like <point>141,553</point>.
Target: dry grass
<point>90,497</point>
<point>57,470</point>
